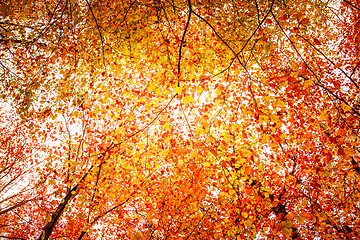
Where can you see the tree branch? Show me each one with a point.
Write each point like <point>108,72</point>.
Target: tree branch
<point>352,5</point>
<point>183,39</point>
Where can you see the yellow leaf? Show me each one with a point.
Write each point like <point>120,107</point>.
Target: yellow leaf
<point>346,108</point>
<point>247,224</point>
<point>287,231</point>
<point>300,219</point>
<point>151,87</point>
<point>167,140</point>
<point>268,205</point>
<point>308,83</point>
<point>266,99</point>
<point>206,164</point>
<point>351,173</point>
<point>188,99</point>
<point>294,66</point>
<point>166,126</point>
<point>280,103</point>
<point>218,91</point>
<point>266,195</point>
<point>178,90</point>
<point>246,153</point>
<point>265,138</point>
<point>263,118</point>
<point>323,115</point>
<point>261,166</point>
<point>274,118</point>
<point>239,160</point>
<point>244,214</point>
<point>158,91</point>
<point>287,224</point>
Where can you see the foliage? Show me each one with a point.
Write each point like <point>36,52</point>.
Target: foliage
<point>177,119</point>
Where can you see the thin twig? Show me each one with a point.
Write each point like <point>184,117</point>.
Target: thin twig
<point>183,39</point>
<point>101,37</point>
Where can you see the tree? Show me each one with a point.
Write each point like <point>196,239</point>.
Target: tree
<point>184,119</point>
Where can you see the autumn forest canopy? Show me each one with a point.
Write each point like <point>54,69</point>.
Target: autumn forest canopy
<point>179,119</point>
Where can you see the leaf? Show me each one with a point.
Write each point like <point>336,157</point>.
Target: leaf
<point>178,90</point>
<point>308,83</point>
<point>275,204</point>
<point>323,115</point>
<point>246,153</point>
<point>247,224</point>
<point>206,164</point>
<point>188,99</point>
<point>287,231</point>
<point>305,215</point>
<point>337,65</point>
<point>287,224</point>
<point>274,118</point>
<point>280,103</point>
<point>166,126</point>
<point>300,219</point>
<point>151,88</point>
<point>316,41</point>
<point>305,21</point>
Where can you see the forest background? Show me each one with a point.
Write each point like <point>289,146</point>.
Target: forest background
<point>174,119</point>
